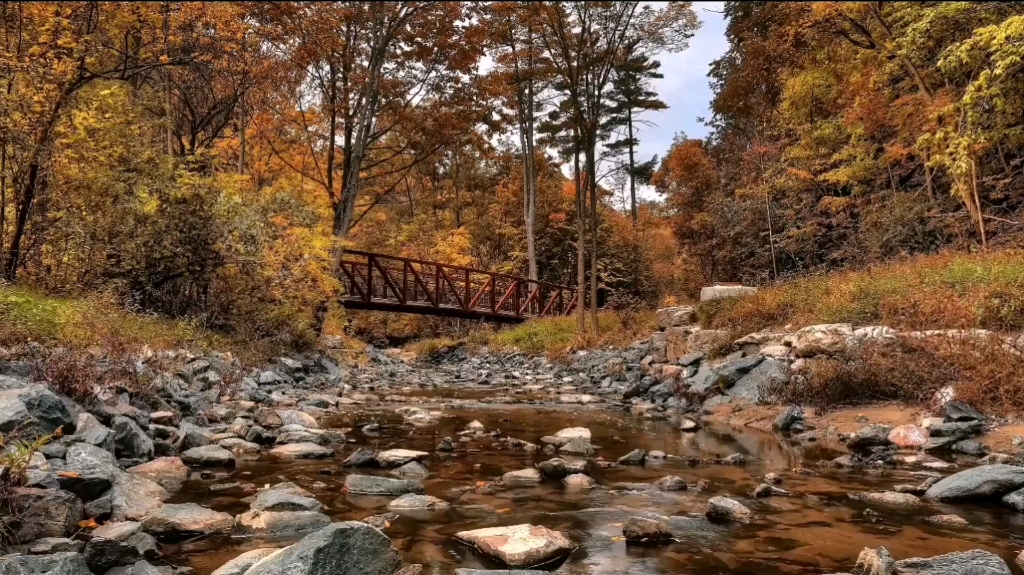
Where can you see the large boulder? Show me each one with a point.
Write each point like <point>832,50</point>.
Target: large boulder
<point>239,565</point>
<point>169,472</point>
<point>372,485</point>
<point>725,509</point>
<point>518,546</point>
<point>68,563</point>
<point>908,436</point>
<point>348,548</point>
<point>641,530</point>
<point>180,519</point>
<point>976,562</point>
<point>676,316</point>
<point>985,481</point>
<point>34,411</point>
<point>875,562</point>
<point>130,442</point>
<point>42,513</point>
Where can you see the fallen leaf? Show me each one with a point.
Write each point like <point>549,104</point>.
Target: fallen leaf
<point>505,510</point>
<point>68,474</point>
<point>88,524</point>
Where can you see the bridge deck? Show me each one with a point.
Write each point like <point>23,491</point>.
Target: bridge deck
<point>388,283</point>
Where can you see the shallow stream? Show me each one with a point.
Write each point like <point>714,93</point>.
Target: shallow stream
<point>818,529</point>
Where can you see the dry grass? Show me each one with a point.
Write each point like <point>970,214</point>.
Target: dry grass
<point>910,370</point>
<point>554,337</point>
<point>927,292</point>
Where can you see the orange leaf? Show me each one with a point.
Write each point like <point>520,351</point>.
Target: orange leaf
<point>88,524</point>
<point>68,474</point>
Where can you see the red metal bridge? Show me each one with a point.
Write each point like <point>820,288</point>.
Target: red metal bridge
<point>388,283</point>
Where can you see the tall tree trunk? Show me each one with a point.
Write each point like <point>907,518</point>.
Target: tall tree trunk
<point>592,186</point>
<point>632,167</point>
<point>28,192</point>
<point>3,194</point>
<point>241,140</point>
<point>977,204</point>
<point>581,238</point>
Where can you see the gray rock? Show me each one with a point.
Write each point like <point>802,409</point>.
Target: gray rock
<point>969,447</point>
<point>34,411</point>
<point>874,435</point>
<point>56,564</point>
<point>557,468</point>
<point>208,456</point>
<point>361,457</point>
<point>635,457</point>
<point>577,446</point>
<point>690,358</point>
<point>980,482</point>
<point>282,500</point>
<point>130,442</point>
<point>276,523</point>
<point>176,520</point>
<point>90,471</point>
<point>1015,500</point>
<point>646,531</point>
<point>371,485</point>
<point>89,430</point>
<point>732,371</point>
<point>789,417</point>
<point>959,411</point>
<point>117,530</point>
<point>102,554</point>
<point>292,433</point>
<point>260,436</point>
<point>518,546</point>
<point>725,509</point>
<point>239,565</point>
<point>703,381</point>
<point>296,417</point>
<point>399,457</point>
<point>133,497</point>
<point>579,481</point>
<point>413,469</point>
<point>349,548</point>
<point>415,502</point>
<point>51,545</point>
<point>756,385</point>
<point>42,513</point>
<point>956,429</point>
<point>976,562</point>
<point>671,483</point>
<point>301,451</point>
<point>520,478</point>
<point>500,572</point>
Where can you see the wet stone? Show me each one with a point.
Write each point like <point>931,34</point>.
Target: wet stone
<point>671,483</point>
<point>726,509</point>
<point>372,485</point>
<point>641,530</point>
<point>635,457</point>
<point>518,546</point>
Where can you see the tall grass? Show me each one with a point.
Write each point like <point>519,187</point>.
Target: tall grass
<point>928,292</point>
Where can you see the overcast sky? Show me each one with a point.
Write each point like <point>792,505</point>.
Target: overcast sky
<point>685,85</point>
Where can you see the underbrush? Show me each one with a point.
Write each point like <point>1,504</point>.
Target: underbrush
<point>927,292</point>
<point>983,373</point>
<point>96,326</point>
<point>553,336</point>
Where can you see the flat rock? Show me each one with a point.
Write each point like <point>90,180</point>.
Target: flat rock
<point>413,469</point>
<point>947,520</point>
<point>577,446</point>
<point>295,417</point>
<point>51,545</point>
<point>273,523</point>
<point>348,548</point>
<point>361,457</point>
<point>889,498</point>
<point>574,432</point>
<point>518,546</point>
<point>372,485</point>
<point>239,565</point>
<point>416,502</point>
<point>301,451</point>
<point>179,519</point>
<point>133,497</point>
<point>976,562</point>
<point>283,500</point>
<point>169,472</point>
<point>399,457</point>
<point>521,477</point>
<point>208,456</point>
<point>959,411</point>
<point>985,481</point>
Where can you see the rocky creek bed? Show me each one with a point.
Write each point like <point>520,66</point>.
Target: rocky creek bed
<point>463,462</point>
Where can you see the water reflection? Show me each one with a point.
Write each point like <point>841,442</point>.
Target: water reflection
<point>817,530</point>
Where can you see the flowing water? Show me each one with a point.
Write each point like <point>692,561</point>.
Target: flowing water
<point>818,529</point>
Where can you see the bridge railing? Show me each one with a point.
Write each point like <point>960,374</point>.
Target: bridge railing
<point>376,281</point>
